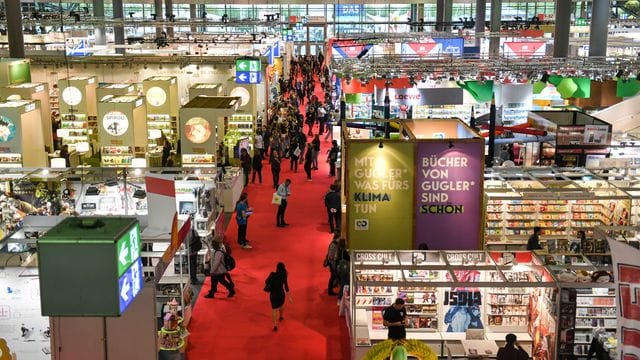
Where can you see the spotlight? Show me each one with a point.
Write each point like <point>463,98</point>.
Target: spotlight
<point>380,145</point>
<point>620,73</point>
<point>364,52</point>
<point>450,144</point>
<point>545,77</point>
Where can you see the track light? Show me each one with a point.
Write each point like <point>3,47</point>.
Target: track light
<point>450,144</point>
<point>364,52</point>
<point>380,145</point>
<point>545,77</point>
<point>620,73</point>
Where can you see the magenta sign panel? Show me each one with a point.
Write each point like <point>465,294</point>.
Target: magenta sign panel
<point>449,188</point>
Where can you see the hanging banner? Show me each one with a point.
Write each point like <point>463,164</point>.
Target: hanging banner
<point>449,184</point>
<point>524,49</point>
<point>451,46</point>
<point>344,51</point>
<point>380,190</point>
<point>420,49</point>
<point>414,96</point>
<point>627,276</point>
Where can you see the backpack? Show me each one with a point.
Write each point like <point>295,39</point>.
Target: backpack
<point>229,261</point>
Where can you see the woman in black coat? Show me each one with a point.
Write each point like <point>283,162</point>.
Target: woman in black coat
<point>277,284</point>
<point>308,161</point>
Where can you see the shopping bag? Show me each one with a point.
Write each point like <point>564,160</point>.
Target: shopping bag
<point>297,152</point>
<point>276,199</point>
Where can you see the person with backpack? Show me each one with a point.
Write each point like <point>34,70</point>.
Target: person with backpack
<point>276,284</point>
<point>222,262</point>
<point>330,263</point>
<point>343,267</point>
<point>332,203</point>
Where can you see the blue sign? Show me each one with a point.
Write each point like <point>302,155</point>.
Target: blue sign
<point>349,9</point>
<point>299,26</point>
<point>453,46</point>
<point>269,53</point>
<point>129,285</point>
<point>276,49</point>
<point>248,77</point>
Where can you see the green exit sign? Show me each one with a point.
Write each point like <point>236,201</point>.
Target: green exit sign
<point>90,266</point>
<point>248,65</point>
<point>581,22</point>
<point>128,249</point>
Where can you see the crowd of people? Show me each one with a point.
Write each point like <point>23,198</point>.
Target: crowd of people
<point>283,139</point>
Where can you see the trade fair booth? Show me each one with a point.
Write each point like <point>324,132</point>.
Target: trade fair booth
<point>462,304</point>
<point>78,110</point>
<point>21,134</point>
<point>122,133</point>
<point>161,95</point>
<point>202,123</point>
<point>205,90</point>
<point>33,91</point>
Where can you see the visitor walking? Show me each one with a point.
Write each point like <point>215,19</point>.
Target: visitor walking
<point>218,273</point>
<point>256,164</point>
<point>332,157</point>
<point>275,167</point>
<point>245,163</point>
<point>330,262</point>
<point>276,285</point>
<point>316,150</point>
<point>332,203</point>
<point>308,161</point>
<point>284,193</point>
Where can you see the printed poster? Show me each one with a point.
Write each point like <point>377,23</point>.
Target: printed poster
<point>449,184</point>
<point>380,195</point>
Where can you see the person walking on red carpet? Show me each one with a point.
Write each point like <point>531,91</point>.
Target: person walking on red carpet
<point>308,161</point>
<point>275,167</point>
<point>219,273</point>
<point>245,163</point>
<point>330,262</point>
<point>276,285</point>
<point>332,157</point>
<point>332,203</point>
<point>284,192</point>
<point>316,150</point>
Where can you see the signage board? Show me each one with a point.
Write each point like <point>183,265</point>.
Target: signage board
<point>248,65</point>
<point>128,248</point>
<point>415,96</point>
<point>381,187</point>
<point>449,189</point>
<point>129,285</point>
<point>248,77</point>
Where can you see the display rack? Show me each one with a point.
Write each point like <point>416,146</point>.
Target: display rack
<point>560,202</point>
<point>78,110</point>
<point>492,289</point>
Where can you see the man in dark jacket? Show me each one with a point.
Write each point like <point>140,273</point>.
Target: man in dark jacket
<point>332,203</point>
<point>512,350</point>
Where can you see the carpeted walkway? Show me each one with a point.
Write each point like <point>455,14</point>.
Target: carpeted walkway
<point>241,327</point>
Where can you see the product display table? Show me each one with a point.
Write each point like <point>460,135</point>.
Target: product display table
<point>480,348</point>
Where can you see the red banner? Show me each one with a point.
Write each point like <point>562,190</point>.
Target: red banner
<point>627,276</point>
<point>524,49</point>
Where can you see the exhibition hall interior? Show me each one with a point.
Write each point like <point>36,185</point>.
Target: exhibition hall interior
<point>446,179</point>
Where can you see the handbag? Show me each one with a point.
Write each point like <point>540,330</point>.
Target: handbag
<point>297,152</point>
<point>276,199</point>
<point>267,284</point>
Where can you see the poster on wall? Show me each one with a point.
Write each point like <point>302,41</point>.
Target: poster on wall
<point>542,325</point>
<point>24,331</point>
<point>627,275</point>
<point>596,135</point>
<point>449,192</point>
<point>462,305</point>
<point>380,190</point>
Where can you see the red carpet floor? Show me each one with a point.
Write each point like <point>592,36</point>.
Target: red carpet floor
<point>241,327</point>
